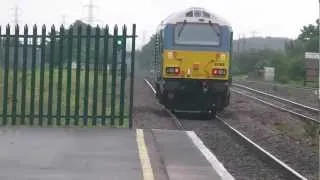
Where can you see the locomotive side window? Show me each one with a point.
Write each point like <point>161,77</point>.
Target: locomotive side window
<point>189,14</point>
<point>205,14</point>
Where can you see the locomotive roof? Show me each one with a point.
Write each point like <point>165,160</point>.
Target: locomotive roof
<point>193,14</point>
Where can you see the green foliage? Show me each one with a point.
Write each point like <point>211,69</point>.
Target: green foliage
<point>75,27</point>
<point>145,57</point>
<point>308,32</point>
<point>289,64</point>
<point>257,59</point>
<point>259,43</point>
<point>57,42</point>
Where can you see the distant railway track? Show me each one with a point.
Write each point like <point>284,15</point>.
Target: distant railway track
<point>300,110</point>
<point>276,84</point>
<point>253,147</point>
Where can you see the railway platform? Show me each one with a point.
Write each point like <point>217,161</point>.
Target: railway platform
<point>99,153</point>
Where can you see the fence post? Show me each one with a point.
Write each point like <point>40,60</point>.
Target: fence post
<point>85,103</point>
<point>6,76</point>
<point>33,75</point>
<point>79,50</point>
<point>105,75</point>
<point>24,75</point>
<point>114,74</point>
<point>69,70</point>
<point>15,75</point>
<point>123,72</point>
<point>60,74</point>
<point>95,76</point>
<point>42,66</point>
<point>51,58</point>
<point>132,74</point>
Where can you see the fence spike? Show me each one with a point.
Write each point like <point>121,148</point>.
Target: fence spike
<point>8,30</point>
<point>17,29</point>
<point>53,28</point>
<point>43,27</point>
<point>35,27</point>
<point>61,28</point>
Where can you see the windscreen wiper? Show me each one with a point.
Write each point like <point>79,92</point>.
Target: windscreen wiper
<point>215,28</point>
<point>180,31</point>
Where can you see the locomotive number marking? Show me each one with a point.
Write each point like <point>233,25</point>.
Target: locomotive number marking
<point>218,64</point>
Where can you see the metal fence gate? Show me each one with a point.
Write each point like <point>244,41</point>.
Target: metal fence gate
<point>75,76</point>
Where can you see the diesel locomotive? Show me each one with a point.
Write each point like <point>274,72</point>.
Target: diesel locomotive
<point>192,59</point>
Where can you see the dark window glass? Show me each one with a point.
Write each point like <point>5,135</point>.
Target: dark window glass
<point>189,14</point>
<point>197,34</point>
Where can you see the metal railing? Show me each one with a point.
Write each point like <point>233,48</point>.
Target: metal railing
<point>41,86</point>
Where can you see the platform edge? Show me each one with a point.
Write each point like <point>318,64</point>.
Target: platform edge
<point>147,170</point>
<point>211,158</point>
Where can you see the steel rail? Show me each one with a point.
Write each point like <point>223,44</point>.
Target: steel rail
<point>278,98</point>
<point>245,140</point>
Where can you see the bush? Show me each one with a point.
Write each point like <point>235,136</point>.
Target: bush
<point>284,79</point>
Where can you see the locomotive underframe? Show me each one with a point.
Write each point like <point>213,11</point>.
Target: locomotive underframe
<point>193,95</point>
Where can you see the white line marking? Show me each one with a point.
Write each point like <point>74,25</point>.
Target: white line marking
<point>150,85</point>
<point>167,130</point>
<point>264,151</point>
<point>144,156</point>
<point>215,163</point>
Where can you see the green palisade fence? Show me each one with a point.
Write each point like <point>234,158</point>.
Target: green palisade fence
<point>75,76</point>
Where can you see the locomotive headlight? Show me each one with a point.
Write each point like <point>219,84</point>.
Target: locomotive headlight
<point>219,72</point>
<point>173,70</point>
<point>172,55</point>
<point>221,56</point>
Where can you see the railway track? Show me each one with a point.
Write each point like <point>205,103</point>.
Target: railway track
<point>303,95</point>
<point>300,110</point>
<point>276,84</point>
<point>239,139</point>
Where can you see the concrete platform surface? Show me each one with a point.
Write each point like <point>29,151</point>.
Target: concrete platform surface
<point>97,153</point>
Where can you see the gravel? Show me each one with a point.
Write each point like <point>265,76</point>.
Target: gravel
<point>301,95</point>
<point>147,113</point>
<point>280,133</point>
<point>279,103</point>
<point>238,160</point>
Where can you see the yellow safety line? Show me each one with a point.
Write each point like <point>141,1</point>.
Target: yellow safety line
<point>144,156</point>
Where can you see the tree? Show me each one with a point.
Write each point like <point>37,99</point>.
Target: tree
<point>308,32</point>
<point>145,57</point>
<point>83,48</point>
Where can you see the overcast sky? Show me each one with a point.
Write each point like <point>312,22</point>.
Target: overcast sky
<point>280,18</point>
